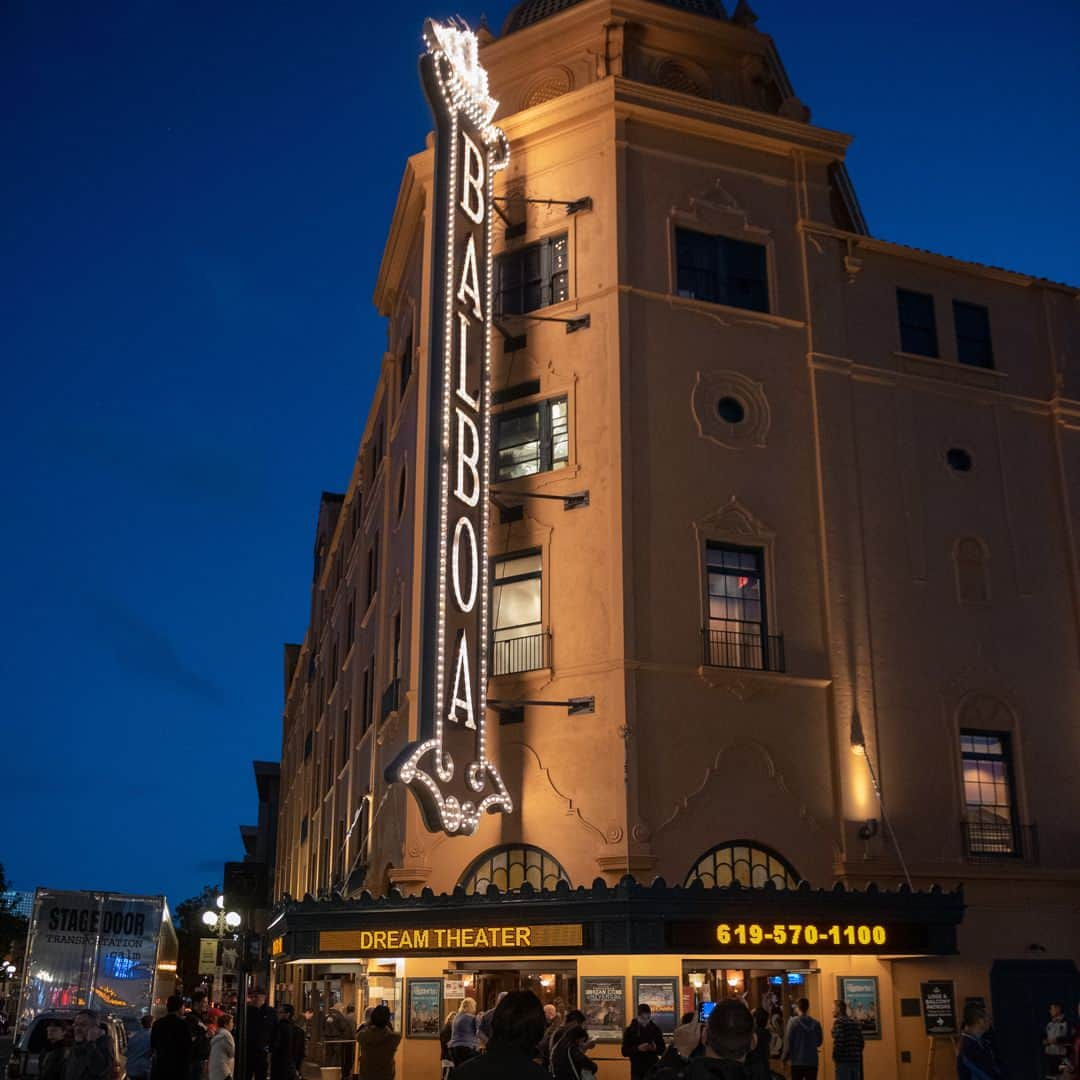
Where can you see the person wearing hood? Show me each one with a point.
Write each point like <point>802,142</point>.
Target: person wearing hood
<point>568,1058</point>
<point>517,1026</point>
<point>378,1044</point>
<point>223,1049</point>
<point>728,1038</point>
<point>801,1043</point>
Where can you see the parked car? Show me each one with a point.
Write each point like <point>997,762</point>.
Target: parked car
<point>26,1053</point>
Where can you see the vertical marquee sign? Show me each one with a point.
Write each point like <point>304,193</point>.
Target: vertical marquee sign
<point>447,768</point>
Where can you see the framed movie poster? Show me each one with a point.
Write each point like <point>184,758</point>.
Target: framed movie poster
<point>423,1008</point>
<point>662,996</point>
<point>603,1001</point>
<point>861,994</point>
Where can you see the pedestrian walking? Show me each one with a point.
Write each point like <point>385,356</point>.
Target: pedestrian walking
<point>464,1042</point>
<point>1058,1039</point>
<point>642,1043</point>
<point>259,1024</point>
<point>139,1053</point>
<point>517,1026</point>
<point>378,1043</point>
<point>801,1042</point>
<point>569,1060</point>
<point>170,1042</point>
<point>847,1043</point>
<point>222,1060</point>
<point>198,1022</point>
<point>975,1059</point>
<point>287,1046</point>
<point>51,1060</point>
<point>91,1055</point>
<point>339,1039</point>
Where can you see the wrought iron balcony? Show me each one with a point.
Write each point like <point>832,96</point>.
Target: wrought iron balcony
<point>390,702</point>
<point>511,656</point>
<point>743,645</point>
<point>990,841</point>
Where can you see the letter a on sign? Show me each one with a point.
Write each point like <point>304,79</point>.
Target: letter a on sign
<point>446,764</point>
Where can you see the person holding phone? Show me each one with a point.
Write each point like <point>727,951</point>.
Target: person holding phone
<point>642,1043</point>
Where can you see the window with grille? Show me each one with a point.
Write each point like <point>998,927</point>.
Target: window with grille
<point>516,614</point>
<point>918,330</point>
<point>511,866</point>
<point>373,569</point>
<point>973,345</point>
<point>742,862</point>
<point>721,270</point>
<point>989,793</point>
<point>737,633</point>
<point>531,440</point>
<point>533,277</point>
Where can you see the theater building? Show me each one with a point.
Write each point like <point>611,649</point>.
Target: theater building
<point>699,533</point>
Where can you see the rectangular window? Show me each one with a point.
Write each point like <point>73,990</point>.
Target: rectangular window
<point>365,700</point>
<point>350,625</point>
<point>346,734</point>
<point>357,512</point>
<point>721,270</point>
<point>373,569</point>
<point>972,323</point>
<point>396,670</point>
<point>331,762</point>
<point>309,740</point>
<point>990,818</point>
<point>303,829</point>
<point>918,330</point>
<point>532,277</point>
<point>406,367</point>
<point>737,635</point>
<point>532,440</point>
<point>518,639</point>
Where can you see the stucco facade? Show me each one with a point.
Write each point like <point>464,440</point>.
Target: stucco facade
<point>926,591</point>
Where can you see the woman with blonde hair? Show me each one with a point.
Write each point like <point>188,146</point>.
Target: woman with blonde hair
<point>463,1033</point>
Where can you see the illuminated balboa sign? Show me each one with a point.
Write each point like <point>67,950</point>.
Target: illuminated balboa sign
<point>447,768</point>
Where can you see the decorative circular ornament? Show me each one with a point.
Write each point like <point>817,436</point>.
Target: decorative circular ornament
<point>730,409</point>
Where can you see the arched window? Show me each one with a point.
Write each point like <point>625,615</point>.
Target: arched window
<point>745,863</point>
<point>508,868</point>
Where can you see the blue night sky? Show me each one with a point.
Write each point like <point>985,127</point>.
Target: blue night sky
<point>195,198</point>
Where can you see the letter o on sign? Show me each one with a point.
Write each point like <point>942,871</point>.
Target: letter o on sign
<point>464,528</point>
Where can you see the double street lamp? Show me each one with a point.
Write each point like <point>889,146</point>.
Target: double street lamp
<point>224,922</point>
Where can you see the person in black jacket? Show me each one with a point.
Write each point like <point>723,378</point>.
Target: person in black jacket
<point>259,1023</point>
<point>170,1042</point>
<point>91,1056</point>
<point>568,1058</point>
<point>286,1047</point>
<point>517,1026</point>
<point>198,1021</point>
<point>642,1043</point>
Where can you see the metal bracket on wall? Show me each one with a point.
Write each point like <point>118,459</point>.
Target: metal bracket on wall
<point>575,706</point>
<point>570,502</point>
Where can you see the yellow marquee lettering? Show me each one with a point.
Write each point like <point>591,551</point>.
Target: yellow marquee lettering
<point>482,939</point>
<point>366,940</point>
<point>380,939</point>
<point>524,935</point>
<point>421,938</point>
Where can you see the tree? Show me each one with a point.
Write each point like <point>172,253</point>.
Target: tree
<point>13,926</point>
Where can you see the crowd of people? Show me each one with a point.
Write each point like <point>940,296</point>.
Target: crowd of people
<point>516,1039</point>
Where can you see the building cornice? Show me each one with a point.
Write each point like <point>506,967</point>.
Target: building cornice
<point>406,219</point>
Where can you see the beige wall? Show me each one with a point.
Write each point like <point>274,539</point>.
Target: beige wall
<point>844,487</point>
